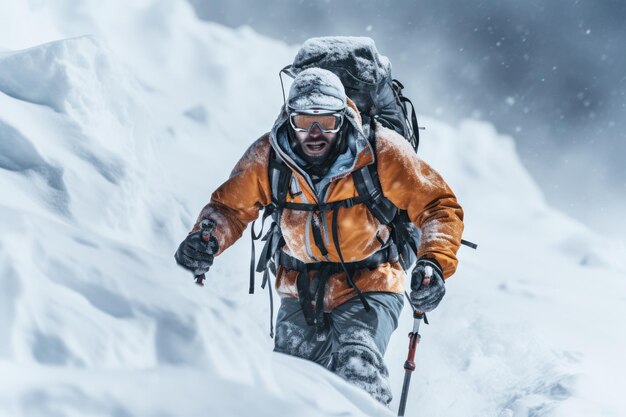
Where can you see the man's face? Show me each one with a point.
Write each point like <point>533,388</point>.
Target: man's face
<point>315,144</point>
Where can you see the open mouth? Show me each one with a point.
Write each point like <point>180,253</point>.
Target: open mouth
<point>315,147</point>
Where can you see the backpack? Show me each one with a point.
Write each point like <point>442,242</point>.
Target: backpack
<point>366,76</point>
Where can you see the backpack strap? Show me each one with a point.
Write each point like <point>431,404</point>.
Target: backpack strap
<point>323,207</point>
<point>402,100</point>
<point>280,178</point>
<point>368,187</point>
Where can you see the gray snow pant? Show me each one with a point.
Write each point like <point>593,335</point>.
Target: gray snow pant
<point>353,344</point>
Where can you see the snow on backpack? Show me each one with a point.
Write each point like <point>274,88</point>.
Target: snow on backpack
<point>366,77</point>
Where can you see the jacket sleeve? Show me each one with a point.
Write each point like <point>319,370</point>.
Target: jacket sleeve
<point>412,185</point>
<point>237,201</point>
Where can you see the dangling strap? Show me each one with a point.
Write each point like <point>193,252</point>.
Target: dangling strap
<point>267,281</point>
<point>304,295</point>
<point>321,291</point>
<point>273,240</point>
<point>397,89</point>
<point>254,236</point>
<point>313,317</point>
<point>469,244</point>
<point>414,126</point>
<point>317,234</point>
<point>343,265</point>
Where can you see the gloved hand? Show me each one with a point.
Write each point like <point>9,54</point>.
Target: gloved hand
<point>195,253</point>
<point>427,285</point>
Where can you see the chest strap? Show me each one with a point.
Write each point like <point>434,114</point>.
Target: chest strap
<point>322,207</point>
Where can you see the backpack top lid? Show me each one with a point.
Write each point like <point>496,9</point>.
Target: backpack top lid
<point>356,56</point>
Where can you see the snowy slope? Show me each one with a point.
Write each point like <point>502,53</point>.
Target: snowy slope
<point>118,120</point>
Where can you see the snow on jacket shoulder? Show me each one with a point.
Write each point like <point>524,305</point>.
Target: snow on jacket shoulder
<point>412,185</point>
<point>408,182</point>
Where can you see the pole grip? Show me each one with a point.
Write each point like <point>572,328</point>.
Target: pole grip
<point>206,227</point>
<point>200,280</point>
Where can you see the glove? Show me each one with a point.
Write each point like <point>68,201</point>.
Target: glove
<point>427,285</point>
<point>196,254</point>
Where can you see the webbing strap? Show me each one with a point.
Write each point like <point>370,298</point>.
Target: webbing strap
<point>407,231</point>
<point>280,177</point>
<point>304,295</point>
<point>414,125</point>
<point>469,244</point>
<point>312,317</point>
<point>322,279</point>
<point>386,254</point>
<point>397,87</point>
<point>265,252</point>
<point>323,207</point>
<point>368,185</point>
<point>343,264</point>
<point>254,236</point>
<point>267,281</point>
<point>317,233</point>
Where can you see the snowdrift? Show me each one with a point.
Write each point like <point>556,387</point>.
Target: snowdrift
<point>116,123</point>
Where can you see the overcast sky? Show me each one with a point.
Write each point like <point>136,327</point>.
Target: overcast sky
<point>552,74</point>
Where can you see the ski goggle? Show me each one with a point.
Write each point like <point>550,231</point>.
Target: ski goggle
<point>328,122</point>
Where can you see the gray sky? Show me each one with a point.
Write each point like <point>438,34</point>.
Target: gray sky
<point>552,74</point>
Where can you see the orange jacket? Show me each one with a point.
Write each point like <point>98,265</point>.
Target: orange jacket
<point>406,180</point>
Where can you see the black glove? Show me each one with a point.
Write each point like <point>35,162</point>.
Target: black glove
<point>427,285</point>
<point>196,254</point>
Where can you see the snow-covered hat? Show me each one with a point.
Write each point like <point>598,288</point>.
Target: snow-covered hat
<point>316,88</point>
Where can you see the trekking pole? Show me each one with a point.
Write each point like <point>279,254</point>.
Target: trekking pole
<point>206,227</point>
<point>409,364</point>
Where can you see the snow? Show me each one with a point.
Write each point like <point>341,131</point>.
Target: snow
<point>316,88</point>
<point>103,170</point>
<point>197,113</point>
<point>359,54</point>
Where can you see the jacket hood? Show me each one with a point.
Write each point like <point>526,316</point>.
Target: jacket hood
<point>359,152</point>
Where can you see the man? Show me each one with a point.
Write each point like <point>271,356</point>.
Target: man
<point>339,279</point>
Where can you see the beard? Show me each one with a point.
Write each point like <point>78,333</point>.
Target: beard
<point>316,160</point>
<point>318,165</point>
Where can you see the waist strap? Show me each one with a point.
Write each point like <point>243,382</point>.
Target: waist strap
<point>390,253</point>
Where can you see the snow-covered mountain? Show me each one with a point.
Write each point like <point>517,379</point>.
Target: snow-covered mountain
<point>118,119</point>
